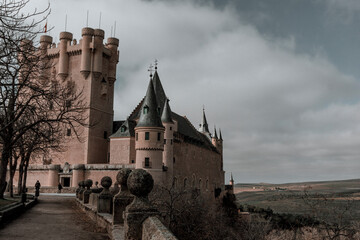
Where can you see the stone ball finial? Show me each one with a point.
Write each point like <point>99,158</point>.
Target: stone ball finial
<point>106,182</point>
<point>88,183</point>
<point>122,176</point>
<point>140,183</point>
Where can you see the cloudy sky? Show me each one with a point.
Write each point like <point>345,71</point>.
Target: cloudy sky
<point>279,77</point>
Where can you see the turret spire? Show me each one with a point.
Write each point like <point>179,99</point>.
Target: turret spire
<point>215,133</point>
<point>220,135</point>
<point>166,114</point>
<point>231,179</point>
<point>204,128</point>
<point>149,114</point>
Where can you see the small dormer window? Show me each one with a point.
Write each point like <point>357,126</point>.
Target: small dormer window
<point>122,129</point>
<point>145,109</point>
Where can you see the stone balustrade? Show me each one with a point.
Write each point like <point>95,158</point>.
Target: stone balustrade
<point>128,214</point>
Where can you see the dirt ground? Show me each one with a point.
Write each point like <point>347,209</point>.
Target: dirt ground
<point>54,217</point>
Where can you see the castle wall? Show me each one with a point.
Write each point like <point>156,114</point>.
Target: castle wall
<point>122,150</point>
<point>199,166</point>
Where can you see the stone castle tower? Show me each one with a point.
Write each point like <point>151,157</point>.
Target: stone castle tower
<point>89,65</point>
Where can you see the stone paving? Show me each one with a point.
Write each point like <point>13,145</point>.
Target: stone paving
<point>54,217</point>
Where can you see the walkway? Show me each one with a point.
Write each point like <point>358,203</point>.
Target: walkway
<point>54,217</point>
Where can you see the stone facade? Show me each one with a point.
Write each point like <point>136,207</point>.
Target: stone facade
<point>153,137</point>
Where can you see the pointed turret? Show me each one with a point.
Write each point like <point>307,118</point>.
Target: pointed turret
<point>220,135</point>
<point>204,127</point>
<point>149,113</point>
<point>215,133</point>
<point>166,113</point>
<point>168,153</point>
<point>231,180</point>
<point>149,136</point>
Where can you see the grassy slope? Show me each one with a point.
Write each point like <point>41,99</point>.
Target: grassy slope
<point>291,200</point>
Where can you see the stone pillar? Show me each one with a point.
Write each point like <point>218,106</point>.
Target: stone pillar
<point>78,174</point>
<point>82,190</point>
<point>87,192</point>
<point>78,190</point>
<point>104,204</point>
<point>123,198</point>
<point>140,184</point>
<point>53,179</point>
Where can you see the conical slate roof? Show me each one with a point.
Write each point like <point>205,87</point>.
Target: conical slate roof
<point>159,91</point>
<point>215,133</point>
<point>220,135</point>
<point>204,128</point>
<point>149,111</point>
<point>166,114</point>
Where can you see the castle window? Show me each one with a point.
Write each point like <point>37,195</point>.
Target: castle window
<point>170,128</point>
<point>171,141</point>
<point>185,182</point>
<point>137,136</point>
<point>122,129</point>
<point>105,134</point>
<point>159,136</point>
<point>174,160</point>
<point>147,135</point>
<point>164,141</point>
<point>132,161</point>
<point>145,109</point>
<point>147,162</point>
<point>68,132</point>
<point>207,184</point>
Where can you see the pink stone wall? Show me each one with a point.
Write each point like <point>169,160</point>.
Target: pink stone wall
<point>122,150</point>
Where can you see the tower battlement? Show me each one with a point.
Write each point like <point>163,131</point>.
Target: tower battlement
<point>91,48</point>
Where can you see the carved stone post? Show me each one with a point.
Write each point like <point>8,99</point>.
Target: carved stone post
<point>123,198</point>
<point>140,184</point>
<point>104,204</point>
<point>87,192</point>
<point>78,190</point>
<point>81,192</point>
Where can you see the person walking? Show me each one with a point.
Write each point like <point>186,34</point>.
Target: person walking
<point>37,188</point>
<point>59,187</point>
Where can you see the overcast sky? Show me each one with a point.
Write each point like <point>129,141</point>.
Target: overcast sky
<point>280,78</point>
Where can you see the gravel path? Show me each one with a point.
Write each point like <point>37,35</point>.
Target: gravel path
<point>54,217</point>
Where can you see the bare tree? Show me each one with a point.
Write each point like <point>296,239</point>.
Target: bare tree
<point>33,106</point>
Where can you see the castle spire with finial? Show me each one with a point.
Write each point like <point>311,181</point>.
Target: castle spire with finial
<point>215,133</point>
<point>231,180</point>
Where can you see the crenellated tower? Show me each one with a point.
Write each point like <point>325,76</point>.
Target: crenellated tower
<point>89,66</point>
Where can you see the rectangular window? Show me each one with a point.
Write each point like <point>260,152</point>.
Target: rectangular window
<point>105,135</point>
<point>171,142</point>
<point>170,128</point>
<point>136,136</point>
<point>68,132</point>
<point>159,136</point>
<point>147,162</point>
<point>132,161</point>
<point>147,135</point>
<point>164,141</point>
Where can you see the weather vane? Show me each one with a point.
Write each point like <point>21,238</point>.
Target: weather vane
<point>150,69</point>
<point>156,63</point>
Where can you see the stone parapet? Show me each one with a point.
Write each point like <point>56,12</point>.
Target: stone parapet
<point>152,229</point>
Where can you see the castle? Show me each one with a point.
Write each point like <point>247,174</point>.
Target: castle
<point>153,137</point>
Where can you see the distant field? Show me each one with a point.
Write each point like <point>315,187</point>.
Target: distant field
<point>330,196</point>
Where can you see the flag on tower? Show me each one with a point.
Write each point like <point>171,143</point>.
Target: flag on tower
<point>45,28</point>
